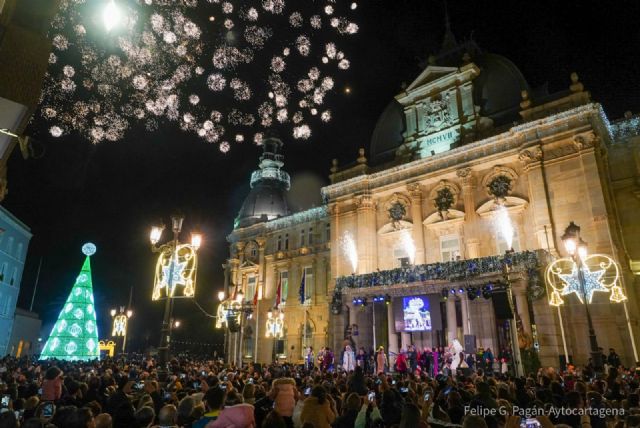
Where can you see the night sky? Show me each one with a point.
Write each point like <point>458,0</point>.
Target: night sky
<point>112,193</point>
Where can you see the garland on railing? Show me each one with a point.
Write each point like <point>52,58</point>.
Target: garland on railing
<point>450,271</point>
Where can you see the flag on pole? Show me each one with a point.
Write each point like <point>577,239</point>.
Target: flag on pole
<point>255,296</point>
<point>279,292</point>
<point>302,286</point>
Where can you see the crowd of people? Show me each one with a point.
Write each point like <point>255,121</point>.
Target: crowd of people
<point>198,393</point>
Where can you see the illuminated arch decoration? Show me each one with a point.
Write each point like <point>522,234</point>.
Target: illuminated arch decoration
<point>176,270</point>
<point>601,275</point>
<point>109,346</point>
<point>74,336</point>
<point>119,325</point>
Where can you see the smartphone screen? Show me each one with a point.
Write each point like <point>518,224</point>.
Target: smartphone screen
<point>47,410</point>
<point>307,391</point>
<point>427,396</point>
<point>529,423</point>
<point>404,389</point>
<point>5,401</point>
<point>372,396</point>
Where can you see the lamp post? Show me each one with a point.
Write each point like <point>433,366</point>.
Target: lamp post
<point>219,320</point>
<point>176,266</point>
<point>121,324</point>
<point>577,249</point>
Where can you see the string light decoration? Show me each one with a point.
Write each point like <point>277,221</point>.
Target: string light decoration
<point>75,334</point>
<point>600,272</point>
<point>275,325</point>
<point>120,322</point>
<point>176,269</point>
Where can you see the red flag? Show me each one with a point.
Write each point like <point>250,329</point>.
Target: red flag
<point>279,291</point>
<point>255,297</point>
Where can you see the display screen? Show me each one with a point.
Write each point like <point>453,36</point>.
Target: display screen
<point>416,313</point>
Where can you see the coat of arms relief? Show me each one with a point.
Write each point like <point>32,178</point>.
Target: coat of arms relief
<point>438,115</point>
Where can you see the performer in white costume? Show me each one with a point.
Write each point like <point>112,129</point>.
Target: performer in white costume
<point>455,349</point>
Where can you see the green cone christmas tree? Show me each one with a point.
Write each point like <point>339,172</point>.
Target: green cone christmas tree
<point>75,335</point>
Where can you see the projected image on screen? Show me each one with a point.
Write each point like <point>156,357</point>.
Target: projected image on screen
<point>417,316</point>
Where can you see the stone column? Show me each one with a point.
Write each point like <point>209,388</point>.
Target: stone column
<point>234,280</point>
<point>393,335</point>
<point>451,319</point>
<point>522,304</point>
<point>335,240</point>
<point>405,339</point>
<point>531,159</point>
<point>366,236</point>
<point>468,182</point>
<point>466,316</point>
<point>416,217</point>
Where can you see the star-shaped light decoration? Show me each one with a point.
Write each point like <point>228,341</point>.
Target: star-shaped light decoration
<point>169,281</point>
<point>592,283</point>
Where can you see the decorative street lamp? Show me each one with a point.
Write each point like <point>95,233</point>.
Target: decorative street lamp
<point>230,316</point>
<point>120,324</point>
<point>583,275</point>
<point>175,276</point>
<point>275,325</point>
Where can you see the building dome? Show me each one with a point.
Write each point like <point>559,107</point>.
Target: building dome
<point>387,134</point>
<point>267,198</point>
<point>497,90</point>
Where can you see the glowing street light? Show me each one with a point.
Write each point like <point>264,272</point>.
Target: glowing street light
<point>111,15</point>
<point>120,324</point>
<point>221,295</point>
<point>175,269</point>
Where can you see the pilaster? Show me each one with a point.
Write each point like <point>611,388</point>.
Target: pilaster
<point>415,192</point>
<point>366,239</point>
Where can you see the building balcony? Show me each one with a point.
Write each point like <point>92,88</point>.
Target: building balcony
<point>448,271</point>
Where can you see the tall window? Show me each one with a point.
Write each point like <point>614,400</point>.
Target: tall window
<point>3,271</point>
<point>449,248</point>
<point>14,276</point>
<point>19,251</point>
<point>10,245</point>
<point>310,236</point>
<point>251,287</point>
<point>308,282</point>
<point>286,241</point>
<point>279,243</point>
<point>502,246</point>
<point>284,284</point>
<point>400,257</point>
<point>327,232</point>
<point>7,309</point>
<point>302,238</point>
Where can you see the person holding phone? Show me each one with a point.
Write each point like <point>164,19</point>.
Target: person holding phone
<point>319,409</point>
<point>350,411</point>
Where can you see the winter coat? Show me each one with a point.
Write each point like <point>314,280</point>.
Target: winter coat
<point>320,415</point>
<point>238,416</point>
<point>285,396</point>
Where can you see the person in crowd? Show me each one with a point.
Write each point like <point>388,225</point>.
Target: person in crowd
<point>349,359</point>
<point>613,359</point>
<point>235,413</point>
<point>381,360</point>
<point>144,417</point>
<point>401,362</point>
<point>349,413</point>
<point>214,399</point>
<point>168,417</point>
<point>104,420</point>
<point>319,409</point>
<point>284,394</point>
<point>52,384</point>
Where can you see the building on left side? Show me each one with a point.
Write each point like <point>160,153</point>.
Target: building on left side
<point>14,242</point>
<point>25,51</point>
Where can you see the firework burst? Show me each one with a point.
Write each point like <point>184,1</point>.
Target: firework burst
<point>248,67</point>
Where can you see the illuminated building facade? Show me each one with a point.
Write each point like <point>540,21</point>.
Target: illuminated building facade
<point>25,54</point>
<point>464,153</point>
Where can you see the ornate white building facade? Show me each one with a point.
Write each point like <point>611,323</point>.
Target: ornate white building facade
<point>465,148</point>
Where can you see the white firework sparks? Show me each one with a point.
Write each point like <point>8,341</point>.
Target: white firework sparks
<point>157,68</point>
